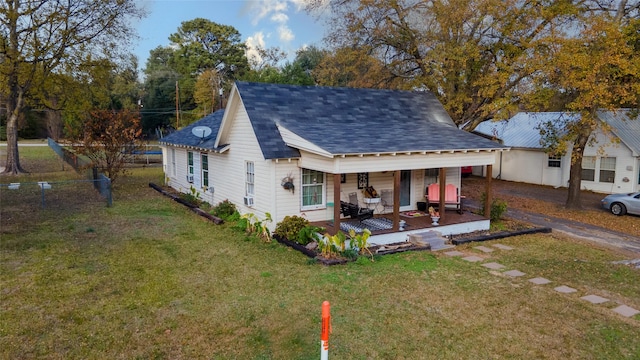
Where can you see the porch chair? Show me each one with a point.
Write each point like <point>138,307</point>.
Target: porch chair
<point>386,198</point>
<point>355,211</point>
<point>451,196</point>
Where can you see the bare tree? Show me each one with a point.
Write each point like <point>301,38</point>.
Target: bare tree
<point>40,37</point>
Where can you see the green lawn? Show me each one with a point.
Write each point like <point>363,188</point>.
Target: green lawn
<point>149,279</point>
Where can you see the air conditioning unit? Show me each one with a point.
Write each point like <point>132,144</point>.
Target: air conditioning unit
<point>248,200</point>
<point>190,178</point>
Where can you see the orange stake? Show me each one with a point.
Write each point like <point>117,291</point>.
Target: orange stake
<point>326,329</point>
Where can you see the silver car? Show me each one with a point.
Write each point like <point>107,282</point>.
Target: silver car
<point>620,204</point>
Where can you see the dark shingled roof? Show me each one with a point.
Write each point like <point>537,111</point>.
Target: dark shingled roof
<point>184,136</point>
<point>352,121</point>
<point>341,121</point>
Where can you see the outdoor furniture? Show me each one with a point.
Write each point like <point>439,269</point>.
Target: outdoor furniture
<point>451,196</point>
<point>354,211</point>
<point>359,213</point>
<point>386,196</point>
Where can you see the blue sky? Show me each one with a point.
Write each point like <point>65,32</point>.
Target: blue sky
<point>269,23</point>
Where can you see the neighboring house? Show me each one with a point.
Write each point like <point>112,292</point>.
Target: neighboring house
<point>328,142</point>
<point>610,165</point>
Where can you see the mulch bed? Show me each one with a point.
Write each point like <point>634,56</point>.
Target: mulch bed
<point>175,196</point>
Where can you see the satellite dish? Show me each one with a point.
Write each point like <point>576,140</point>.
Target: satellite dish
<point>201,131</point>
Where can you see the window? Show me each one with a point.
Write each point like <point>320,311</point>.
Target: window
<point>173,161</point>
<point>607,169</point>
<point>554,161</point>
<point>432,172</point>
<point>205,169</point>
<point>312,189</point>
<point>250,178</point>
<point>189,163</point>
<point>588,168</point>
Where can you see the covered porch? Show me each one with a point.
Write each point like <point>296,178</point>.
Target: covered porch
<point>413,222</point>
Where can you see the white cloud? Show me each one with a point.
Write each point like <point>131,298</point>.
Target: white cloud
<point>281,18</point>
<point>253,43</point>
<point>262,9</point>
<point>285,34</point>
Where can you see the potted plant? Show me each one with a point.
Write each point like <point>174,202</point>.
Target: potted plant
<point>435,216</point>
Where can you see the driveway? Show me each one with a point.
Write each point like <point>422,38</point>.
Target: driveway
<point>587,232</point>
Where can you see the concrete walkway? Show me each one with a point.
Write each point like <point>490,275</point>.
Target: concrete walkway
<point>574,229</point>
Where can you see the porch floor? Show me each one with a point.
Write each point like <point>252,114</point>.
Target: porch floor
<point>454,224</point>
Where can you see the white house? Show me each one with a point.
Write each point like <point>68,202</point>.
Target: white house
<point>611,163</point>
<point>328,142</point>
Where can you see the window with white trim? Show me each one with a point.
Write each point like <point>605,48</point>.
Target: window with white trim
<point>607,169</point>
<point>189,162</point>
<point>313,189</point>
<point>249,178</point>
<point>589,168</point>
<point>173,161</point>
<point>554,161</point>
<point>205,169</point>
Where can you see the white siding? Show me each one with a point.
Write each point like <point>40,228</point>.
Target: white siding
<point>531,166</point>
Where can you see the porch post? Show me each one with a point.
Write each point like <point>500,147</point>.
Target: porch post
<point>396,201</point>
<point>487,199</point>
<point>443,184</point>
<point>336,202</point>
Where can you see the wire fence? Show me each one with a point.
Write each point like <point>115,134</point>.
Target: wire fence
<point>83,166</point>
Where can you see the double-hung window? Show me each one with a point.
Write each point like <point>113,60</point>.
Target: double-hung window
<point>205,169</point>
<point>313,189</point>
<point>250,178</point>
<point>589,168</point>
<point>190,163</point>
<point>173,162</point>
<point>554,161</point>
<point>607,169</point>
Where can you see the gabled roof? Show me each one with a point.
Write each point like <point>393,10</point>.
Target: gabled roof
<point>625,124</point>
<point>344,121</point>
<point>523,130</point>
<point>186,138</point>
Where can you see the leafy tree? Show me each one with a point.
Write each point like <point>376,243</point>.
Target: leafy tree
<point>159,99</point>
<point>42,37</point>
<point>109,139</point>
<point>355,67</point>
<point>207,92</point>
<point>597,69</point>
<point>475,55</point>
<point>198,46</point>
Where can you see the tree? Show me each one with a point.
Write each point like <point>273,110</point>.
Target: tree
<point>355,67</point>
<point>208,91</point>
<point>199,45</point>
<point>475,55</point>
<point>109,139</point>
<point>40,37</point>
<point>597,69</point>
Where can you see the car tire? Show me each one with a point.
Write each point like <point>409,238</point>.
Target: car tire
<point>618,209</point>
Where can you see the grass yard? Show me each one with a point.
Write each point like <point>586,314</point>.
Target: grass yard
<point>149,279</point>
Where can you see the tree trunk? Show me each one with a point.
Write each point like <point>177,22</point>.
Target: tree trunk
<point>13,160</point>
<point>574,200</point>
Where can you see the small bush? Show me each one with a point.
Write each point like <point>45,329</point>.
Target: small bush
<point>308,234</point>
<point>224,210</point>
<point>498,207</point>
<point>290,226</point>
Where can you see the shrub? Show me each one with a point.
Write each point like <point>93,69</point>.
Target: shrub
<point>290,226</point>
<point>498,208</point>
<point>308,234</point>
<point>224,210</point>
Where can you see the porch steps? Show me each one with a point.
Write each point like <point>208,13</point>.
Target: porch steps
<point>433,239</point>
